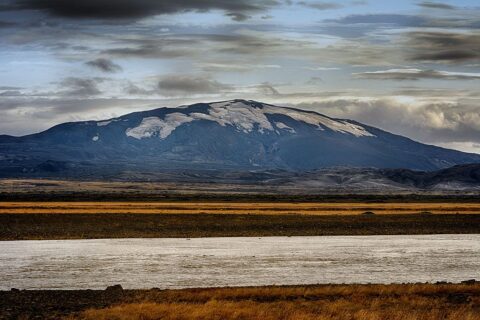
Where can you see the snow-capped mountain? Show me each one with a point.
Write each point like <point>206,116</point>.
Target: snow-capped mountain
<point>233,135</point>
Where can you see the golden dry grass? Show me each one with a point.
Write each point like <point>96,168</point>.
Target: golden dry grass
<point>263,208</point>
<point>362,302</point>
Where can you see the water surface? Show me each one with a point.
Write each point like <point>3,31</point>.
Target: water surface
<point>205,262</point>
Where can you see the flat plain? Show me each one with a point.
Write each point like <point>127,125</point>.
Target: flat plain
<point>41,210</point>
<point>263,208</point>
<point>90,220</point>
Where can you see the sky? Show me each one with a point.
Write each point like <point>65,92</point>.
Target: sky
<point>408,67</point>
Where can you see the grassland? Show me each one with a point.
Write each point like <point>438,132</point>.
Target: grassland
<point>263,208</point>
<point>86,220</point>
<point>278,191</point>
<point>365,302</point>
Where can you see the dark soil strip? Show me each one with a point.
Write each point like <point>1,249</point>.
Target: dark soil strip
<point>94,226</point>
<point>236,197</point>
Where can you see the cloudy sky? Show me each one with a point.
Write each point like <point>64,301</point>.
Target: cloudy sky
<point>409,67</point>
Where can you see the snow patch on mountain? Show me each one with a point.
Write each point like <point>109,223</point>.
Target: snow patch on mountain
<point>244,117</point>
<point>154,126</point>
<point>103,123</point>
<point>281,125</point>
<point>240,115</point>
<point>319,121</point>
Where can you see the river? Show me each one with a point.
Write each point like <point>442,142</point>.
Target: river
<point>206,262</point>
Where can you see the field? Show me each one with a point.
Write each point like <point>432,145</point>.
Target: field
<point>85,220</point>
<point>366,302</point>
<point>280,191</point>
<point>264,208</point>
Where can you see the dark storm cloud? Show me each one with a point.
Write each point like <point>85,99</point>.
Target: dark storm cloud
<point>436,5</point>
<point>84,87</point>
<point>415,74</point>
<point>450,55</point>
<point>444,47</point>
<point>128,9</point>
<point>104,65</point>
<point>188,84</point>
<point>320,5</point>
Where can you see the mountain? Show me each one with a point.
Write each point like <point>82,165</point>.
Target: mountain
<point>457,177</point>
<point>237,135</point>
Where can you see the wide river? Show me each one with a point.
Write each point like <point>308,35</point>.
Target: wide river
<point>205,262</point>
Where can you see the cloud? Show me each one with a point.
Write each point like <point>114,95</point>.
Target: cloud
<point>434,93</point>
<point>84,87</point>
<point>127,9</point>
<point>435,5</point>
<point>415,74</point>
<point>360,25</point>
<point>428,122</point>
<point>234,67</point>
<point>6,24</point>
<point>231,45</point>
<point>267,89</point>
<point>191,84</point>
<point>314,80</point>
<point>133,89</point>
<point>104,65</point>
<point>389,19</point>
<point>320,5</point>
<point>9,88</point>
<point>237,16</point>
<point>11,93</point>
<point>447,47</point>
<point>359,3</point>
<point>321,68</point>
<point>156,47</point>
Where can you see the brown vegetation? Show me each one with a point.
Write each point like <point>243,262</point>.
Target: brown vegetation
<point>215,191</point>
<point>264,208</point>
<point>396,301</point>
<point>371,309</point>
<point>329,302</point>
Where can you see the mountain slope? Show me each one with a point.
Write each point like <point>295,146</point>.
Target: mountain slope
<point>230,135</point>
<point>455,177</point>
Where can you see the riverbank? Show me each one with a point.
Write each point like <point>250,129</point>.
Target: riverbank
<point>394,301</point>
<point>34,226</point>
